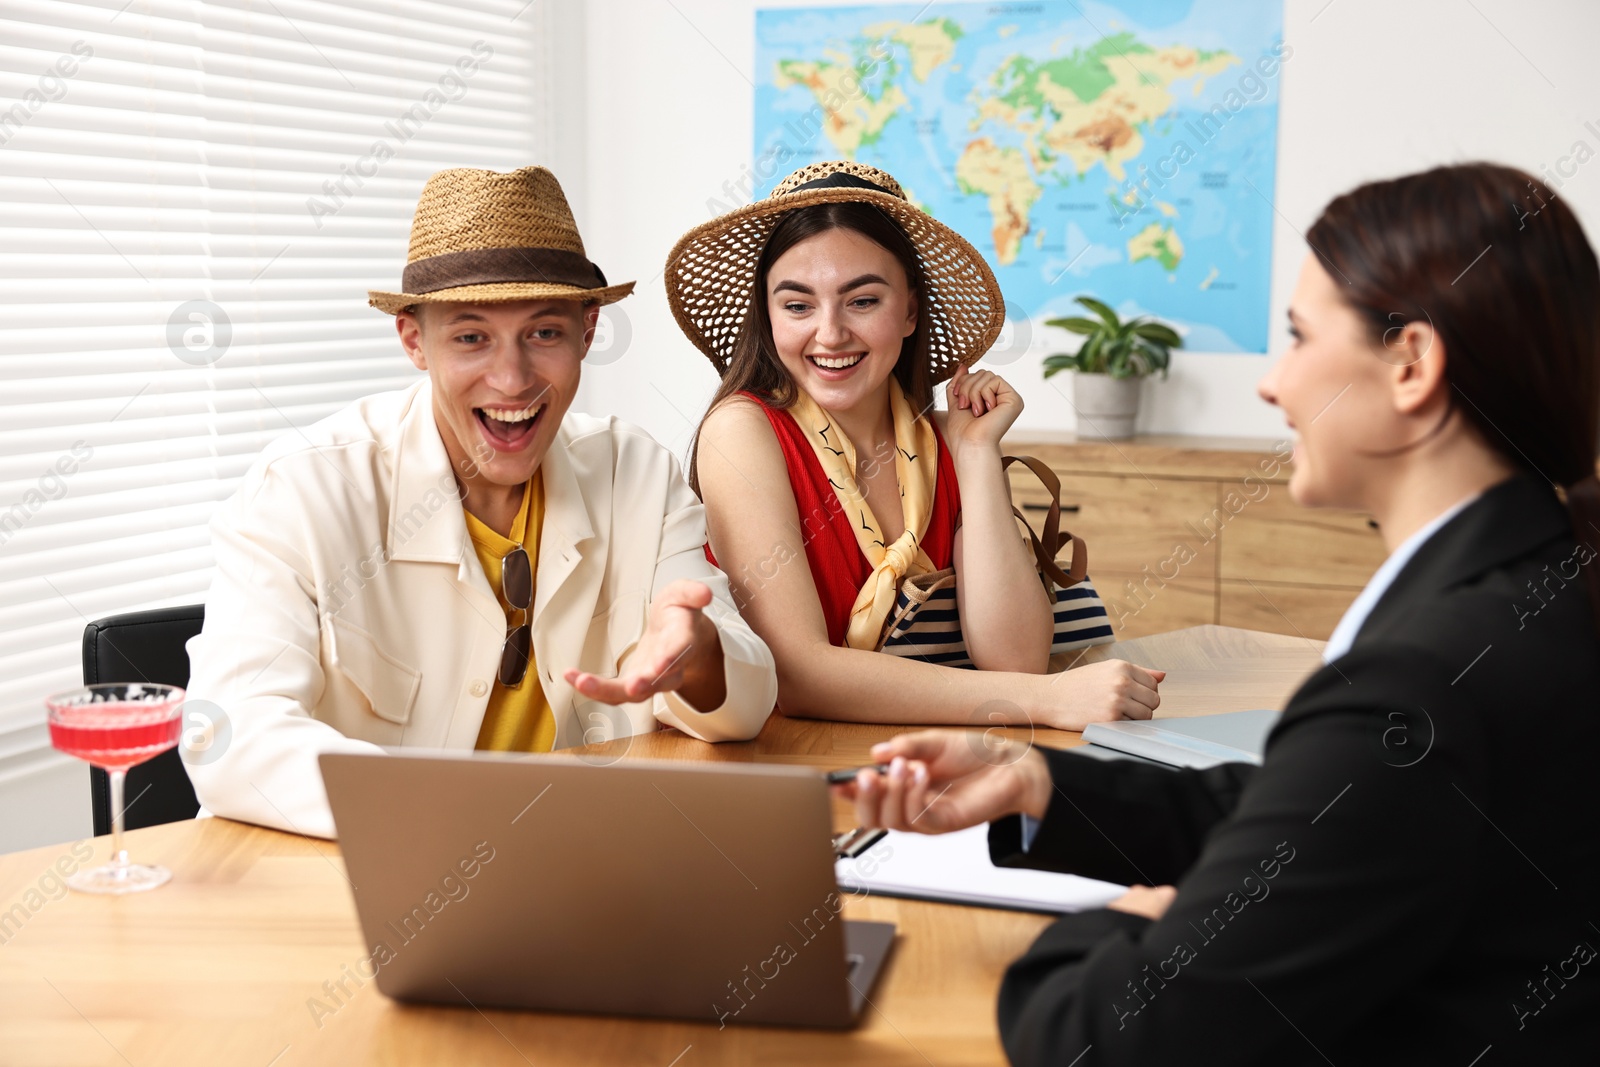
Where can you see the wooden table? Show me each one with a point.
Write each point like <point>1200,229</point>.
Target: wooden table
<point>224,965</point>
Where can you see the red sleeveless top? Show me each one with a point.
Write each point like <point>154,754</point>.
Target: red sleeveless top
<point>838,566</point>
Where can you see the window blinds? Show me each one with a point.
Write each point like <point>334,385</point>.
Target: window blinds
<point>194,198</point>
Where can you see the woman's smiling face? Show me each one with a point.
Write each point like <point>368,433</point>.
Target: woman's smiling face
<point>840,306</point>
<point>1336,391</point>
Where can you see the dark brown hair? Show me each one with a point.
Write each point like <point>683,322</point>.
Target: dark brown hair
<point>754,365</point>
<point>1497,263</point>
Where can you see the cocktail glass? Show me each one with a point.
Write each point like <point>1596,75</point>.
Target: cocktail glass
<point>115,727</point>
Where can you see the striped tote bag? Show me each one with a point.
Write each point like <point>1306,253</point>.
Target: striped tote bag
<point>925,624</point>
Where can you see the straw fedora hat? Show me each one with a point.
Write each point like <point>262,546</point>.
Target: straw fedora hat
<point>483,237</point>
<point>711,270</point>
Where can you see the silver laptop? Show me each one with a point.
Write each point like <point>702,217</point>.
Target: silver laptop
<point>700,891</point>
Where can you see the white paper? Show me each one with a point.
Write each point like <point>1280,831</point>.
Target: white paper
<point>955,867</point>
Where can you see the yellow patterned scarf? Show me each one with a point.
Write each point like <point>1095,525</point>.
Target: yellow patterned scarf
<point>916,466</point>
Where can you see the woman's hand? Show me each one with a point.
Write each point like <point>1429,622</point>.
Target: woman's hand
<point>943,780</point>
<point>1149,901</point>
<point>982,407</point>
<point>1098,692</point>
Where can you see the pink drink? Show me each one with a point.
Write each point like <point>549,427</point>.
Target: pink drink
<point>115,735</point>
<point>114,726</point>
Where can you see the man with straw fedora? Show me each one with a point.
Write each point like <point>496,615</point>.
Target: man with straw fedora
<point>465,563</point>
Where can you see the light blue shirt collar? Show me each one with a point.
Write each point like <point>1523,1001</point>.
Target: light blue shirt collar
<point>1356,616</point>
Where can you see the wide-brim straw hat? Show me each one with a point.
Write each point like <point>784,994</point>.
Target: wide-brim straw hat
<point>711,270</point>
<point>486,237</point>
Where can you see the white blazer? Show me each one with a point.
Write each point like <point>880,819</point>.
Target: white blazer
<point>349,609</point>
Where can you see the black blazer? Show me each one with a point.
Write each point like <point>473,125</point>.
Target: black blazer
<point>1413,875</point>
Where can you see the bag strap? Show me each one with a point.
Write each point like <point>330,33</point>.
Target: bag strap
<point>1047,547</point>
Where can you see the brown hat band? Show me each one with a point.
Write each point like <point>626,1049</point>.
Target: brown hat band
<point>487,266</point>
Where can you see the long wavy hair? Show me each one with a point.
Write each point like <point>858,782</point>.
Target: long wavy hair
<point>754,365</point>
<point>1500,267</point>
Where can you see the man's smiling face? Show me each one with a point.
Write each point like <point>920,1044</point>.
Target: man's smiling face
<point>503,376</point>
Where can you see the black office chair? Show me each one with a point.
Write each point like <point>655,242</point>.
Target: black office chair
<point>143,646</point>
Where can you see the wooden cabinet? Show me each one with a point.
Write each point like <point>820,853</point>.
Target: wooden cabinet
<point>1302,610</point>
<point>1277,540</point>
<point>1184,531</point>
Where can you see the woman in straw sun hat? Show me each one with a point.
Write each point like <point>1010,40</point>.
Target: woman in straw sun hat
<point>831,309</point>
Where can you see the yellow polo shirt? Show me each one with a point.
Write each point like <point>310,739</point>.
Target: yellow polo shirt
<point>517,720</point>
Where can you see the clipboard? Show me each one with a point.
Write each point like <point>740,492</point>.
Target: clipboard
<point>955,868</point>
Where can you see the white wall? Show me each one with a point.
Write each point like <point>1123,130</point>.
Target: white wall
<point>1375,88</point>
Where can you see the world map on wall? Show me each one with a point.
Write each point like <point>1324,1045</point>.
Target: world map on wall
<point>1122,150</point>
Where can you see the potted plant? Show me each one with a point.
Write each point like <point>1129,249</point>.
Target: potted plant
<point>1114,358</point>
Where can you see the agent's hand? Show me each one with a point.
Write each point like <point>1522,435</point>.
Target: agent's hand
<point>982,407</point>
<point>1150,901</point>
<point>679,652</point>
<point>943,780</point>
<point>1098,692</point>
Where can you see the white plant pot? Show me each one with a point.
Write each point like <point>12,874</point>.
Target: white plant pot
<point>1107,407</point>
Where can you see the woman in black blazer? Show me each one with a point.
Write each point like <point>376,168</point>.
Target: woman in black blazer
<point>1413,874</point>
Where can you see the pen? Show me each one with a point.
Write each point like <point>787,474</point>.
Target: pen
<point>853,843</point>
<point>848,774</point>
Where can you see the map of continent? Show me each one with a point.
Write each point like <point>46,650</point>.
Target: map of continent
<point>1121,150</point>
